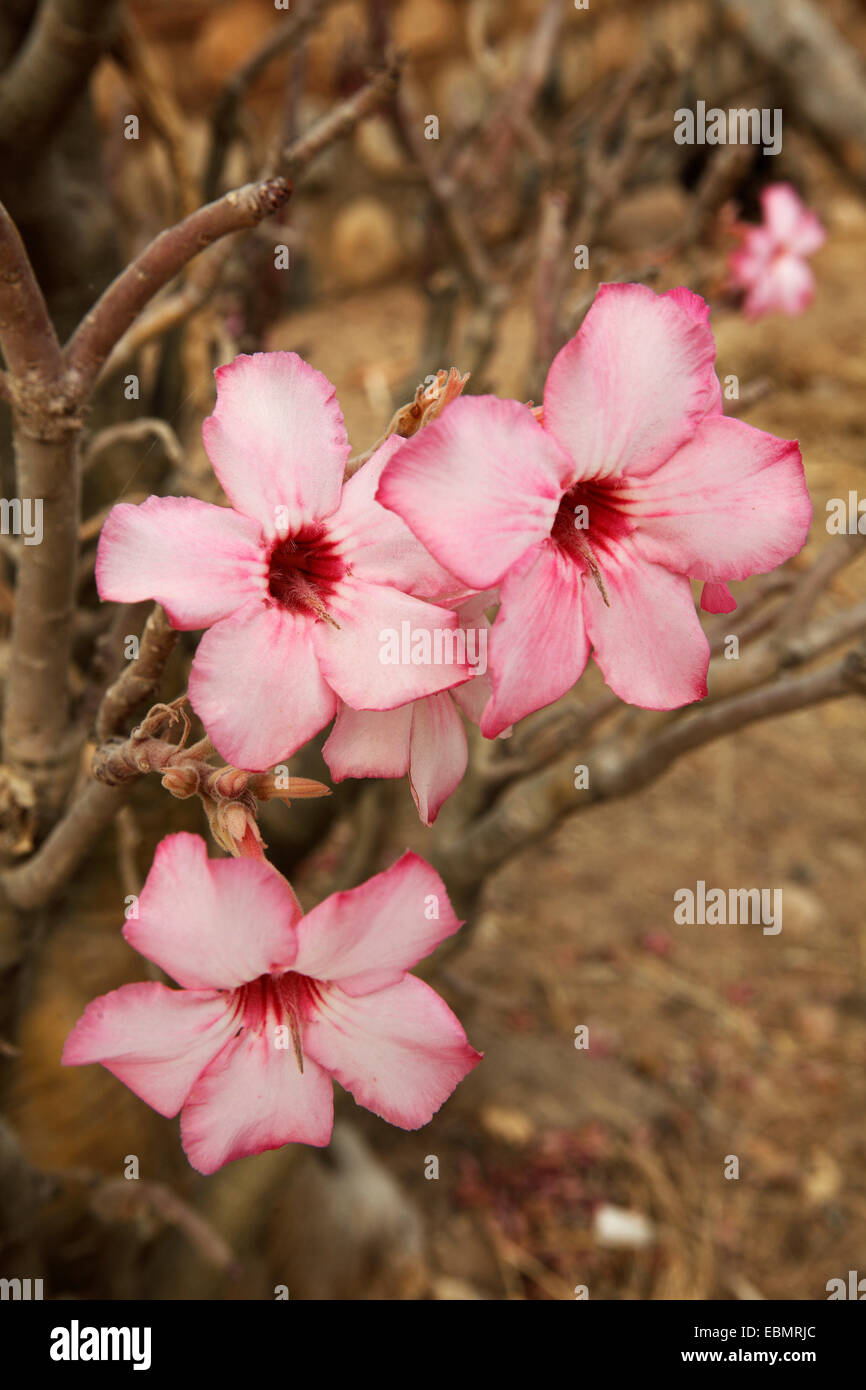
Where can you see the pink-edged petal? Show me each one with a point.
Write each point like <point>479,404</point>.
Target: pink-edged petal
<point>730,503</point>
<point>478,486</point>
<point>539,645</point>
<point>438,754</point>
<point>199,561</point>
<point>367,937</point>
<point>400,1052</point>
<point>472,697</point>
<point>213,923</point>
<point>277,440</point>
<point>369,743</point>
<point>789,221</point>
<point>156,1040</point>
<point>376,624</point>
<point>378,547</point>
<point>257,686</point>
<point>254,1097</point>
<point>699,310</point>
<point>649,641</point>
<point>716,597</point>
<point>632,385</point>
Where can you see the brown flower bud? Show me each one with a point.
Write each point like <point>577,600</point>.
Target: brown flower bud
<point>181,781</point>
<point>233,825</point>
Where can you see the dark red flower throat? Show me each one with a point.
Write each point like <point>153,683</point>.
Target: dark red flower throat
<point>303,571</point>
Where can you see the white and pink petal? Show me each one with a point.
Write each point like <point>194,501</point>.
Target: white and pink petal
<point>253,1097</point>
<point>539,645</point>
<point>401,1052</point>
<point>633,383</point>
<point>478,486</point>
<point>277,441</point>
<point>367,937</point>
<point>730,503</point>
<point>199,561</point>
<point>156,1040</point>
<point>213,923</point>
<point>257,686</point>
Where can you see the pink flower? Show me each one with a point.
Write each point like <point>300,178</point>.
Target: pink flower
<point>770,264</point>
<point>594,520</point>
<point>295,581</point>
<point>424,739</point>
<point>273,1004</point>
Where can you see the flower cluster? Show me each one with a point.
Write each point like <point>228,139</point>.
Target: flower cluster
<point>576,526</point>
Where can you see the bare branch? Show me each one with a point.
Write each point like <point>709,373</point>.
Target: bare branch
<point>27,335</point>
<point>225,119</point>
<point>164,258</point>
<point>140,680</point>
<point>531,808</point>
<point>295,158</point>
<point>51,70</point>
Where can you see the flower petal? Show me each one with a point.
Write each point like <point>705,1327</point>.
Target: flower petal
<point>788,287</point>
<point>730,503</point>
<point>478,486</point>
<point>716,597</point>
<point>213,923</point>
<point>367,937</point>
<point>789,221</point>
<point>369,743</point>
<point>277,439</point>
<point>254,1097</point>
<point>633,383</point>
<point>649,642</point>
<point>199,561</point>
<point>376,544</point>
<point>370,659</point>
<point>257,686</point>
<point>438,753</point>
<point>539,645</point>
<point>400,1052</point>
<point>156,1040</point>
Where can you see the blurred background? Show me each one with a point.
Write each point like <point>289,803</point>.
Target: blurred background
<point>557,1167</point>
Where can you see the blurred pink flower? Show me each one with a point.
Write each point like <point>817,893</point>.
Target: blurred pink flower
<point>770,264</point>
<point>593,521</point>
<point>274,1004</point>
<point>295,581</point>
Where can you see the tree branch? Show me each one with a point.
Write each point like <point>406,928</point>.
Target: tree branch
<point>51,70</point>
<point>225,118</point>
<point>531,808</point>
<point>164,258</point>
<point>27,335</point>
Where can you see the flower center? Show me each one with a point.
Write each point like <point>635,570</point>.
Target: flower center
<point>303,571</point>
<point>587,519</point>
<point>274,1001</point>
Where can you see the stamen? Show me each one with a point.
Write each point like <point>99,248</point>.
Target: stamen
<point>586,550</point>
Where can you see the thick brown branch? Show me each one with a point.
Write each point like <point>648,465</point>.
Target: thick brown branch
<point>43,877</point>
<point>164,258</point>
<point>51,70</point>
<point>27,336</point>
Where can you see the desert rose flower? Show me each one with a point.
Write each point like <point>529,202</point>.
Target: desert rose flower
<point>424,739</point>
<point>770,264</point>
<point>295,581</point>
<point>273,1004</point>
<point>593,520</point>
